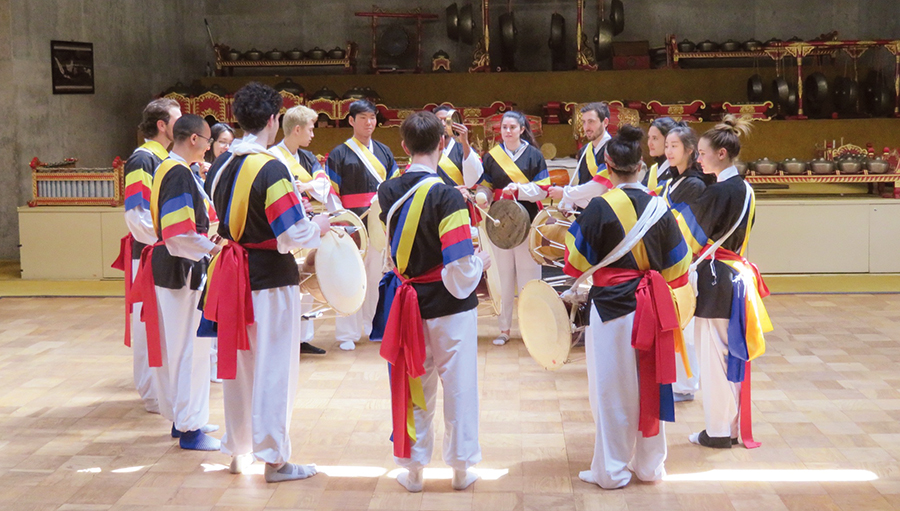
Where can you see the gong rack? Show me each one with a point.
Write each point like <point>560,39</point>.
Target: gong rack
<point>799,50</point>
<point>376,13</point>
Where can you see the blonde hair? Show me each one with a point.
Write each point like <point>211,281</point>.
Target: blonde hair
<point>726,135</point>
<point>298,116</point>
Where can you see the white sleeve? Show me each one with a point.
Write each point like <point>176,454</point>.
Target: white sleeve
<point>472,169</point>
<point>320,188</point>
<point>334,203</point>
<point>531,192</point>
<point>581,195</point>
<point>189,245</point>
<point>303,234</point>
<point>462,276</point>
<point>140,224</point>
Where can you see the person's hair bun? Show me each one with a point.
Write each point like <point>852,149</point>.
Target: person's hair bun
<point>629,133</point>
<point>737,125</point>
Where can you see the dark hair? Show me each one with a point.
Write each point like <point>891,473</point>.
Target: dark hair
<point>624,150</point>
<point>215,132</point>
<point>361,106</point>
<point>254,104</point>
<point>600,107</point>
<point>726,135</point>
<point>688,138</point>
<point>520,118</point>
<point>664,125</point>
<point>441,108</point>
<point>187,125</point>
<point>156,110</point>
<point>421,132</point>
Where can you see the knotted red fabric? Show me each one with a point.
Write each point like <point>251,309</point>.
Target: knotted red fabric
<point>123,262</point>
<point>229,302</point>
<point>746,412</point>
<point>653,336</point>
<point>145,292</point>
<point>403,346</point>
<point>474,213</point>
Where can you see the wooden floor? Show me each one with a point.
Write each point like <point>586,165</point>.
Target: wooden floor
<point>73,435</point>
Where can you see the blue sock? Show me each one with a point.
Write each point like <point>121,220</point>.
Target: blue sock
<point>175,432</point>
<point>198,441</point>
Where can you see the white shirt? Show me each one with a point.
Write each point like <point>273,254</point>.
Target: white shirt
<point>728,173</point>
<point>581,195</point>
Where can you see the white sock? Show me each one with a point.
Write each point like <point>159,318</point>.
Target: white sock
<point>289,472</point>
<point>587,476</point>
<point>463,478</point>
<point>694,438</point>
<point>240,463</point>
<point>348,345</point>
<point>412,480</point>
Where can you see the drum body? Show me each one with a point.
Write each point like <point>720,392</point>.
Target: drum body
<point>547,237</point>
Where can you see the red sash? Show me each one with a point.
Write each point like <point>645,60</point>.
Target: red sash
<point>655,321</point>
<point>145,292</point>
<point>123,262</point>
<point>229,302</point>
<point>403,347</point>
<point>746,412</point>
<point>357,200</point>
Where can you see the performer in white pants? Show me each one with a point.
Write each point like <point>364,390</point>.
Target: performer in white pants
<point>172,273</point>
<point>514,169</point>
<point>157,121</point>
<point>356,169</point>
<point>258,354</point>
<point>429,300</point>
<point>631,244</point>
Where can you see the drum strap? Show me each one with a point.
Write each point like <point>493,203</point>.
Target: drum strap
<point>508,165</point>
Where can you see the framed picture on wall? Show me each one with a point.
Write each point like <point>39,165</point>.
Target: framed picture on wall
<point>72,67</point>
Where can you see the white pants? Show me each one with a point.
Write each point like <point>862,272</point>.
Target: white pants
<point>350,328</point>
<point>721,398</point>
<point>307,330</point>
<point>143,376</point>
<point>259,402</point>
<point>516,268</point>
<point>213,357</point>
<point>615,404</point>
<point>451,354</point>
<point>683,384</point>
<point>183,379</point>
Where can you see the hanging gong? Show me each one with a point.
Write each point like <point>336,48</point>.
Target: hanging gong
<point>394,41</point>
<point>453,22</point>
<point>514,224</point>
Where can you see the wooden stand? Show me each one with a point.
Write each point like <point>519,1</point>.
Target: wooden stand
<point>417,15</point>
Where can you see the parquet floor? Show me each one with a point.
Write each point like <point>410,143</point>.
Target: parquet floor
<point>73,435</point>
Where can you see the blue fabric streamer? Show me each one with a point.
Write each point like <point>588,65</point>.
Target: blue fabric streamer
<point>387,288</point>
<point>207,328</point>
<point>737,332</point>
<point>666,403</point>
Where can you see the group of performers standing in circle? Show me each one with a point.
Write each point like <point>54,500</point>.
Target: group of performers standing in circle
<point>684,223</point>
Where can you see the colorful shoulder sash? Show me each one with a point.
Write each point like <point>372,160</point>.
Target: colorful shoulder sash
<point>624,209</point>
<point>297,169</point>
<point>154,147</point>
<point>368,158</point>
<point>408,223</point>
<point>161,171</point>
<point>240,197</point>
<point>508,165</point>
<point>446,164</point>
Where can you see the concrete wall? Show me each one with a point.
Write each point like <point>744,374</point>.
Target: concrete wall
<point>288,23</point>
<point>139,48</point>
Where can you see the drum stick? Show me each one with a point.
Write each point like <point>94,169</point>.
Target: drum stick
<point>488,216</point>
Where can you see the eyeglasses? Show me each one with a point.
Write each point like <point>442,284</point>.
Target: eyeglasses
<point>209,140</point>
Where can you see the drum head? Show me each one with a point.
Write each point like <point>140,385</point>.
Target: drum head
<point>377,233</point>
<point>544,324</point>
<point>491,279</point>
<point>352,225</point>
<point>547,238</point>
<point>513,227</point>
<point>309,282</point>
<point>340,273</point>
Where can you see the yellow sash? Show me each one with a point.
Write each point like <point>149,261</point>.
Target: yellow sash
<point>756,315</point>
<point>450,168</point>
<point>156,148</point>
<point>376,164</point>
<point>297,170</point>
<point>411,224</point>
<point>591,158</point>
<point>240,198</point>
<point>508,165</point>
<point>161,171</point>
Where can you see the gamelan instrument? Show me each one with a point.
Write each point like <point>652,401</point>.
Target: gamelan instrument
<point>510,224</point>
<point>334,274</point>
<point>547,237</point>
